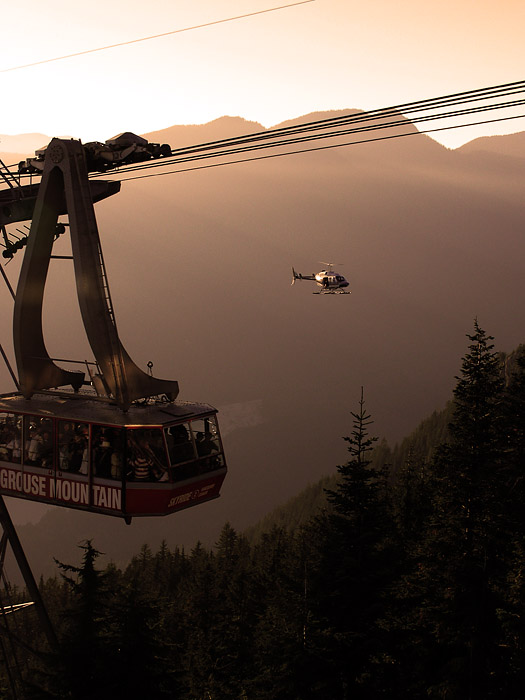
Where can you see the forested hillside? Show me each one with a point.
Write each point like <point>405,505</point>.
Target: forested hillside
<point>418,447</point>
<point>409,585</point>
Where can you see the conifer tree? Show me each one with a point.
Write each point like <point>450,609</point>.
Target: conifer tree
<point>282,590</point>
<point>514,417</point>
<point>355,567</point>
<point>198,608</point>
<point>460,559</point>
<point>137,642</point>
<point>88,661</point>
<point>511,612</point>
<point>235,618</point>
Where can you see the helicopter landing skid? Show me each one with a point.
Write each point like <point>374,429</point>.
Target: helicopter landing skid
<point>332,291</point>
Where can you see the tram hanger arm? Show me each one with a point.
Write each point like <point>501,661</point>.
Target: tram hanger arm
<point>18,203</point>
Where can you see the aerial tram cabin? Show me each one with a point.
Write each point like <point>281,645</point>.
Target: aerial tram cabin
<point>154,459</point>
<point>117,442</point>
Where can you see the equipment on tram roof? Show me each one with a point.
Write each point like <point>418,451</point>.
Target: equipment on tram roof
<point>330,282</point>
<point>112,439</point>
<point>123,149</point>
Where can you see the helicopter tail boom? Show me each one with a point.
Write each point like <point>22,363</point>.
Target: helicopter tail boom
<point>299,276</point>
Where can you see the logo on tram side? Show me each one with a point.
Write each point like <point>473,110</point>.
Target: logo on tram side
<point>77,492</point>
<point>46,487</point>
<point>32,484</point>
<point>190,495</point>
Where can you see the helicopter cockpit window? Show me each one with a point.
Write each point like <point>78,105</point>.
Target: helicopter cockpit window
<point>73,447</point>
<point>146,455</point>
<point>10,438</point>
<point>107,451</point>
<point>38,442</point>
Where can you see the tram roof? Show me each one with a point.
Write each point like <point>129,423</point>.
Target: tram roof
<point>84,408</point>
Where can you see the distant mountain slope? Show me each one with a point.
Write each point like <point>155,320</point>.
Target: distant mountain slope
<point>508,145</point>
<point>296,511</point>
<point>419,447</point>
<point>192,134</point>
<point>316,116</point>
<point>22,143</point>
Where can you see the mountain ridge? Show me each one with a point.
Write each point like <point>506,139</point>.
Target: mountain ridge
<point>180,135</point>
<point>512,145</point>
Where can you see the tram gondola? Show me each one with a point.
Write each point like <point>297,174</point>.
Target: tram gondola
<point>154,459</point>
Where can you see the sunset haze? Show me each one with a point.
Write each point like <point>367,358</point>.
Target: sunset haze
<point>269,67</point>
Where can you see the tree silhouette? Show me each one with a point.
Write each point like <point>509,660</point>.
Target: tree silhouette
<point>460,557</point>
<point>355,566</point>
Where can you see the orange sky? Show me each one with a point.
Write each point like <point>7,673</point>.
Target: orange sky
<point>327,54</point>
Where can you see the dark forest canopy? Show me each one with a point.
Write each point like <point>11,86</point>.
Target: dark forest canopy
<point>407,584</point>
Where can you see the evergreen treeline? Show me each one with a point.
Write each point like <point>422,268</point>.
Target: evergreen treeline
<point>410,584</point>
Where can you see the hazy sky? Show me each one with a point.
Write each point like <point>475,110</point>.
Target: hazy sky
<point>327,54</point>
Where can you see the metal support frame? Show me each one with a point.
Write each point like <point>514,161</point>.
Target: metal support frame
<point>65,181</point>
<point>9,531</point>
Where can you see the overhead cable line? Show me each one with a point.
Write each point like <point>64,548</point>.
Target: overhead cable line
<point>254,145</point>
<point>155,36</point>
<point>321,148</point>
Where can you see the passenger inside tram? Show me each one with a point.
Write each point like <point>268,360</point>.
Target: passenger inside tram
<point>207,444</point>
<point>180,447</point>
<point>14,447</point>
<point>10,443</point>
<point>73,442</point>
<point>107,451</point>
<point>38,442</point>
<point>65,436</point>
<point>145,458</point>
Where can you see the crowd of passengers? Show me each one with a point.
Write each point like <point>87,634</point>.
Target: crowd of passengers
<point>145,450</point>
<point>73,446</point>
<point>10,446</point>
<point>106,446</point>
<point>146,454</point>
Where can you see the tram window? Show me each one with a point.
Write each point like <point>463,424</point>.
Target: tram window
<point>10,434</point>
<point>107,452</point>
<point>207,442</point>
<point>38,442</point>
<point>73,442</point>
<point>205,435</point>
<point>146,455</point>
<point>180,445</point>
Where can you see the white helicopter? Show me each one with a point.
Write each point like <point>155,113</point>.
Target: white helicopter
<point>330,282</point>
